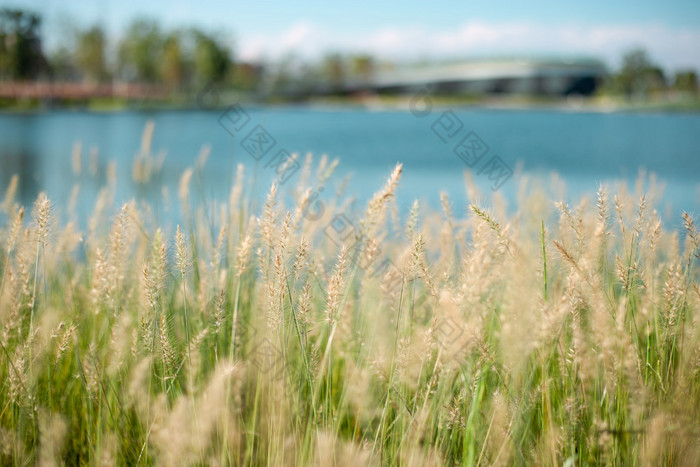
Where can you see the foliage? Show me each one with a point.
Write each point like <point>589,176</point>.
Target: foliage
<point>21,55</point>
<point>140,51</point>
<point>90,53</point>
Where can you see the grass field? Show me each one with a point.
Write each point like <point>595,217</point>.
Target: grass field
<point>306,333</point>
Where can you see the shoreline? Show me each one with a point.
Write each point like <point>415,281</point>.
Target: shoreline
<point>603,105</point>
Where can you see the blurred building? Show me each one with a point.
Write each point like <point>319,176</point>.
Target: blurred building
<point>550,77</point>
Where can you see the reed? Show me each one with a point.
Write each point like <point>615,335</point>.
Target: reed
<point>571,337</point>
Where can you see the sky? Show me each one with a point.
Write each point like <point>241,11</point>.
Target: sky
<point>408,30</point>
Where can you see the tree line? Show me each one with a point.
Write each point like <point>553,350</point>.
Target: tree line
<point>640,76</point>
<point>187,58</point>
<point>146,53</point>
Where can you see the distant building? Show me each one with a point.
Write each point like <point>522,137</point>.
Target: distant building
<point>551,77</point>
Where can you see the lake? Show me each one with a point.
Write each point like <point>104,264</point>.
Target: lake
<point>435,145</point>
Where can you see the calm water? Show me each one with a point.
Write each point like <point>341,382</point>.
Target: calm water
<point>584,149</point>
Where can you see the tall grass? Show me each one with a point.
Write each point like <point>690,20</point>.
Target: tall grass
<point>554,335</point>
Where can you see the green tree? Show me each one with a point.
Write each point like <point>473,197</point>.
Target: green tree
<point>212,60</point>
<point>334,71</point>
<point>173,66</point>
<point>247,76</point>
<point>140,51</point>
<point>281,75</point>
<point>90,53</point>
<point>686,81</point>
<point>63,66</point>
<point>362,68</point>
<point>21,55</point>
<point>639,76</point>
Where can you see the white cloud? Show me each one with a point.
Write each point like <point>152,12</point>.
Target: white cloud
<point>297,36</point>
<point>672,48</point>
<point>300,38</point>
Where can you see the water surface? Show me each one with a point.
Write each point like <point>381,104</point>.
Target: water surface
<point>584,149</point>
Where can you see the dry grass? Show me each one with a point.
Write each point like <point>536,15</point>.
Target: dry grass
<point>554,335</point>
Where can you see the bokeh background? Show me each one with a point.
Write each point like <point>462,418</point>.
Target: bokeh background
<point>563,97</point>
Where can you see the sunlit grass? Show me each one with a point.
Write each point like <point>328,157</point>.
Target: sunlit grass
<point>552,335</point>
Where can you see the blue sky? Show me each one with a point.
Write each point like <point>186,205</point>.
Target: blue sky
<point>410,29</point>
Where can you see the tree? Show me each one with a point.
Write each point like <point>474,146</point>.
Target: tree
<point>21,55</point>
<point>686,81</point>
<point>334,71</point>
<point>212,59</point>
<point>90,53</point>
<point>247,76</point>
<point>140,51</point>
<point>63,66</point>
<point>656,80</point>
<point>362,67</point>
<point>172,65</point>
<point>639,75</point>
